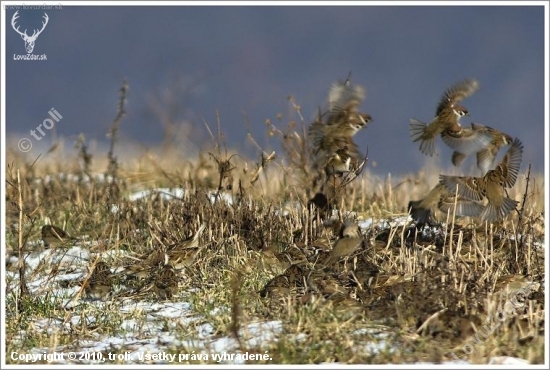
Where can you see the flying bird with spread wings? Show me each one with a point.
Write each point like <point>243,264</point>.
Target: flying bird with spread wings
<point>447,123</point>
<point>333,148</point>
<point>491,187</point>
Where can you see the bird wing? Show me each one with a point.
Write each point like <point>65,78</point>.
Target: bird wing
<point>466,140</point>
<point>458,158</point>
<point>467,186</point>
<point>464,207</point>
<point>457,93</point>
<point>419,213</point>
<point>316,134</point>
<point>486,158</point>
<point>495,212</point>
<point>508,168</point>
<point>345,96</point>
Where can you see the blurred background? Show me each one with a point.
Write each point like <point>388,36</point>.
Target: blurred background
<point>183,63</point>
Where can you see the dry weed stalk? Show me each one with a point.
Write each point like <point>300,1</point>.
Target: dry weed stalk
<point>236,310</point>
<point>294,144</point>
<point>519,262</point>
<point>23,289</point>
<point>112,168</point>
<point>84,155</point>
<point>24,213</point>
<point>224,166</point>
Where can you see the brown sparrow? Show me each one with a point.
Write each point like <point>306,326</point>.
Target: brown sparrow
<point>423,210</point>
<point>320,201</point>
<point>146,264</point>
<point>338,163</point>
<point>178,255</point>
<point>468,141</point>
<point>54,236</point>
<point>349,241</point>
<point>343,122</point>
<point>344,100</point>
<point>184,254</point>
<point>165,283</point>
<point>325,284</point>
<point>447,116</point>
<point>492,185</point>
<point>326,140</point>
<point>99,284</point>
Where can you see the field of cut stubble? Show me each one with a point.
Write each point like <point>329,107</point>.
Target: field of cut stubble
<point>460,291</point>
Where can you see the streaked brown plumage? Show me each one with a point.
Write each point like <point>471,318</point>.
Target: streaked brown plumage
<point>180,258</point>
<point>178,255</point>
<point>165,284</point>
<point>343,121</point>
<point>146,264</point>
<point>184,254</point>
<point>282,285</point>
<point>464,207</point>
<point>344,100</point>
<point>471,140</point>
<point>447,116</point>
<point>54,236</point>
<point>326,139</point>
<point>423,211</point>
<point>99,284</point>
<point>492,185</point>
<point>338,163</point>
<point>324,283</point>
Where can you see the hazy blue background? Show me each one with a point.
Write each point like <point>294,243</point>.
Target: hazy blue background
<point>247,60</point>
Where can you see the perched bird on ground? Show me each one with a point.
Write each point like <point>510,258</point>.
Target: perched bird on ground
<point>54,236</point>
<point>165,283</point>
<point>325,284</point>
<point>492,185</point>
<point>162,280</point>
<point>448,114</point>
<point>349,229</point>
<point>146,264</point>
<point>423,210</point>
<point>184,254</point>
<point>178,255</point>
<point>99,284</point>
<point>466,141</point>
<point>349,241</point>
<point>320,201</point>
<point>322,205</point>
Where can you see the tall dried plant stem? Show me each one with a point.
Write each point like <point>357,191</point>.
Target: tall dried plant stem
<point>113,131</point>
<point>23,290</point>
<point>520,254</point>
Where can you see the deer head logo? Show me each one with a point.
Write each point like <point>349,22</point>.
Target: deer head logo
<point>29,40</point>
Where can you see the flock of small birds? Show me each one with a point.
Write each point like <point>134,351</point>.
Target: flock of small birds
<point>336,156</point>
<point>342,273</point>
<point>158,271</point>
<point>335,152</point>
